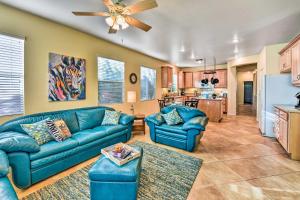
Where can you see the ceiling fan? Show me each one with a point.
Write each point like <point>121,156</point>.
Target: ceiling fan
<point>118,15</point>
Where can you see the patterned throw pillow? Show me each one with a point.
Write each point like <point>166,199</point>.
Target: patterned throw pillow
<point>38,131</point>
<point>172,118</point>
<point>58,129</point>
<point>111,118</point>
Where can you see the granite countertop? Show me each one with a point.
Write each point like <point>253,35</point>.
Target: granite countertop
<point>216,99</point>
<point>288,108</point>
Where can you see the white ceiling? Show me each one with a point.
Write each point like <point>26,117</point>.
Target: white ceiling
<point>204,28</point>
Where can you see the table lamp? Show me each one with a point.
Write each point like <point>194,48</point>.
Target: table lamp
<point>131,98</point>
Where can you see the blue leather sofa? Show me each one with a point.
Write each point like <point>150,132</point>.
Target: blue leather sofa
<point>31,163</point>
<point>183,136</point>
<point>7,191</point>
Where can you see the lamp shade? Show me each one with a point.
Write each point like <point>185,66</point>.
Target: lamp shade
<point>131,96</point>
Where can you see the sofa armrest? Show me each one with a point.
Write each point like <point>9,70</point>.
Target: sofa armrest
<point>16,142</point>
<point>198,123</point>
<point>4,165</point>
<point>156,119</point>
<point>126,119</point>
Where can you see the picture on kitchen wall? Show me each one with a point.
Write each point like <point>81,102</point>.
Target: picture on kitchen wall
<point>67,78</point>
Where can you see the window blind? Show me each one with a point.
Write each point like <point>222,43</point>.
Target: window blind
<point>110,81</point>
<point>11,75</point>
<point>148,83</point>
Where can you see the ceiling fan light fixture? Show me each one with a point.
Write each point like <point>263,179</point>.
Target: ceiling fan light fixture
<point>120,20</point>
<point>109,21</point>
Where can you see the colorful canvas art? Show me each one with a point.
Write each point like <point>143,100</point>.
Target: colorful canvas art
<point>67,78</point>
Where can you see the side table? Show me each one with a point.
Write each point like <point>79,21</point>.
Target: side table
<point>139,123</point>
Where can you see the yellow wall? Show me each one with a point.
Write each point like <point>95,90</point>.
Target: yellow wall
<point>44,36</point>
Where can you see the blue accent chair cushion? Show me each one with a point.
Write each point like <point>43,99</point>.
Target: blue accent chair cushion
<point>110,181</point>
<point>184,136</point>
<point>172,118</point>
<point>31,163</point>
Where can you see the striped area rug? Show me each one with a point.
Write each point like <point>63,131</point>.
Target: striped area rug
<point>165,174</point>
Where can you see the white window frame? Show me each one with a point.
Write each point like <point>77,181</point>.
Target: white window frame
<point>10,74</point>
<point>123,85</point>
<point>155,87</point>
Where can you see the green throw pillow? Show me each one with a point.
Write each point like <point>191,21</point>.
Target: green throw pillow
<point>172,118</point>
<point>38,131</point>
<point>111,118</point>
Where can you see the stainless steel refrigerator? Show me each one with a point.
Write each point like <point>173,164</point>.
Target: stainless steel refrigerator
<point>275,89</point>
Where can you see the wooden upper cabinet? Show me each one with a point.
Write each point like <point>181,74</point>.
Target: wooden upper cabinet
<point>197,76</point>
<point>222,76</point>
<point>296,63</point>
<point>188,80</point>
<point>166,77</point>
<point>290,60</point>
<point>286,61</point>
<point>180,80</point>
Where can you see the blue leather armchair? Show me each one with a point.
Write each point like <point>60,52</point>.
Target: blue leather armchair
<point>32,163</point>
<point>7,191</point>
<point>183,136</point>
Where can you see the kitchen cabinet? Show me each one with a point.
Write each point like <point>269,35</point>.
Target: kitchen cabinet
<point>286,61</point>
<point>287,129</point>
<point>222,76</point>
<point>188,80</point>
<point>166,77</point>
<point>180,80</point>
<point>213,108</point>
<point>197,77</point>
<point>296,64</point>
<point>290,60</point>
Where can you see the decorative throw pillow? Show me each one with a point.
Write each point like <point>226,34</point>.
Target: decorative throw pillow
<point>58,129</point>
<point>172,118</point>
<point>111,118</point>
<point>38,131</point>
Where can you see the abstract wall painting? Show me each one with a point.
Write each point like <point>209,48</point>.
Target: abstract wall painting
<point>67,78</point>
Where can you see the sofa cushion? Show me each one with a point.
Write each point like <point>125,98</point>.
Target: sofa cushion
<point>58,129</point>
<point>90,135</point>
<point>175,129</point>
<point>14,142</point>
<point>38,131</point>
<point>186,113</point>
<point>89,118</point>
<point>54,147</point>
<point>172,118</point>
<point>111,118</point>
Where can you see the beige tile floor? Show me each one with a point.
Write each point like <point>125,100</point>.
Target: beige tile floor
<point>238,163</point>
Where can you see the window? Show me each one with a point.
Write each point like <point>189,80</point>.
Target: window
<point>174,84</point>
<point>11,75</point>
<point>110,81</point>
<point>148,83</point>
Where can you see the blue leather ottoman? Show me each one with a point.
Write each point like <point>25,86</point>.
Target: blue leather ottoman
<point>109,181</point>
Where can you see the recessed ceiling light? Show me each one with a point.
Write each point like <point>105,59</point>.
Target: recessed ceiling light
<point>200,60</point>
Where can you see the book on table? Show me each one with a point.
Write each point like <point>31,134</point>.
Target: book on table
<point>120,153</point>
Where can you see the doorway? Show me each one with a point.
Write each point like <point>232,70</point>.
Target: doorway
<point>248,92</point>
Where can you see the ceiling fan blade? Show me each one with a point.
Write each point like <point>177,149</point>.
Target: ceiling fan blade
<point>105,14</point>
<point>140,6</point>
<point>137,23</point>
<point>111,30</point>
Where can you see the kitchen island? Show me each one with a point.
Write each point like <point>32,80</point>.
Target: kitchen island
<point>213,108</point>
